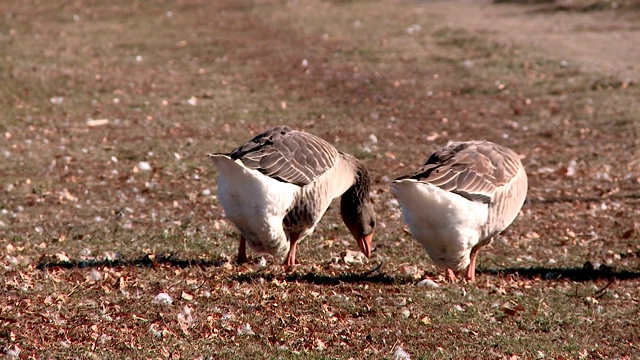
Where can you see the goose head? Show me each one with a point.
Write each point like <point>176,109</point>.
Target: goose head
<point>357,211</point>
<point>361,224</point>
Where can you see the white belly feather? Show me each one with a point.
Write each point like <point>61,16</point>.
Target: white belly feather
<point>446,224</point>
<point>256,204</point>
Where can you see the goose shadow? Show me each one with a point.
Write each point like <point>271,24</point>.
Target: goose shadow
<point>172,260</point>
<point>147,260</point>
<point>580,274</point>
<point>323,279</point>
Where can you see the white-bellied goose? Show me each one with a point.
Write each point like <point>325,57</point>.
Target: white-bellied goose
<point>276,187</point>
<point>464,195</point>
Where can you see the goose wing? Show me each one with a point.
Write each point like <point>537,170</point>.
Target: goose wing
<point>474,169</point>
<point>287,155</point>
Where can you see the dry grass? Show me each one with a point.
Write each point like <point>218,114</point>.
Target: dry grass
<point>96,221</point>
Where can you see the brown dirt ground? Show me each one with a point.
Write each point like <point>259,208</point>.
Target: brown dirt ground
<point>98,220</point>
<point>599,41</point>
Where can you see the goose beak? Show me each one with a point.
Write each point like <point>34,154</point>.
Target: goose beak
<point>365,244</point>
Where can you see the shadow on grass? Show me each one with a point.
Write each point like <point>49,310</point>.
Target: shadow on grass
<point>174,261</point>
<point>586,273</point>
<point>143,261</point>
<point>321,279</point>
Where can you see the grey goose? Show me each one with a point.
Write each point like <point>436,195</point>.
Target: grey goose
<point>276,188</point>
<point>464,195</point>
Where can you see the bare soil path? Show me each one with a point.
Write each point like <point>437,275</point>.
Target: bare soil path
<point>607,41</point>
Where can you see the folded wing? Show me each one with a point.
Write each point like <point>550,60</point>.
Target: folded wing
<point>287,155</point>
<point>474,170</point>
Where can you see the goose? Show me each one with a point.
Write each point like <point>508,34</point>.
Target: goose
<point>276,188</point>
<point>464,195</point>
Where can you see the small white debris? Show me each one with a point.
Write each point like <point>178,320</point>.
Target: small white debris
<point>373,138</point>
<point>468,64</point>
<point>415,28</point>
<point>95,275</point>
<point>169,14</point>
<point>428,283</point>
<point>111,256</point>
<point>353,257</point>
<point>39,229</point>
<point>405,313</point>
<point>458,308</point>
<point>245,330</point>
<point>13,351</point>
<point>177,156</point>
<point>206,192</point>
<point>97,122</point>
<point>104,338</point>
<point>184,317</point>
<point>139,58</point>
<point>571,168</point>
<point>114,159</point>
<point>590,300</point>
<point>400,354</point>
<point>162,298</point>
<point>320,345</point>
<point>76,17</point>
<point>305,63</point>
<point>154,332</point>
<point>564,63</point>
<point>144,166</point>
<point>57,100</point>
<point>357,23</point>
<point>262,262</point>
<point>193,101</point>
<point>116,100</point>
<point>410,270</point>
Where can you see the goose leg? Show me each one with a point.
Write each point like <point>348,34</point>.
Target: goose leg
<point>451,275</point>
<point>291,256</point>
<point>242,250</point>
<point>471,270</point>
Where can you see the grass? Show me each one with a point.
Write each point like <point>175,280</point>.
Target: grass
<point>90,237</point>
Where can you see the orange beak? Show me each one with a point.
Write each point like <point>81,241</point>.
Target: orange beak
<point>365,244</point>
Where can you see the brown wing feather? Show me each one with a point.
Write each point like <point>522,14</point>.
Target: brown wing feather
<point>473,169</point>
<point>287,155</point>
